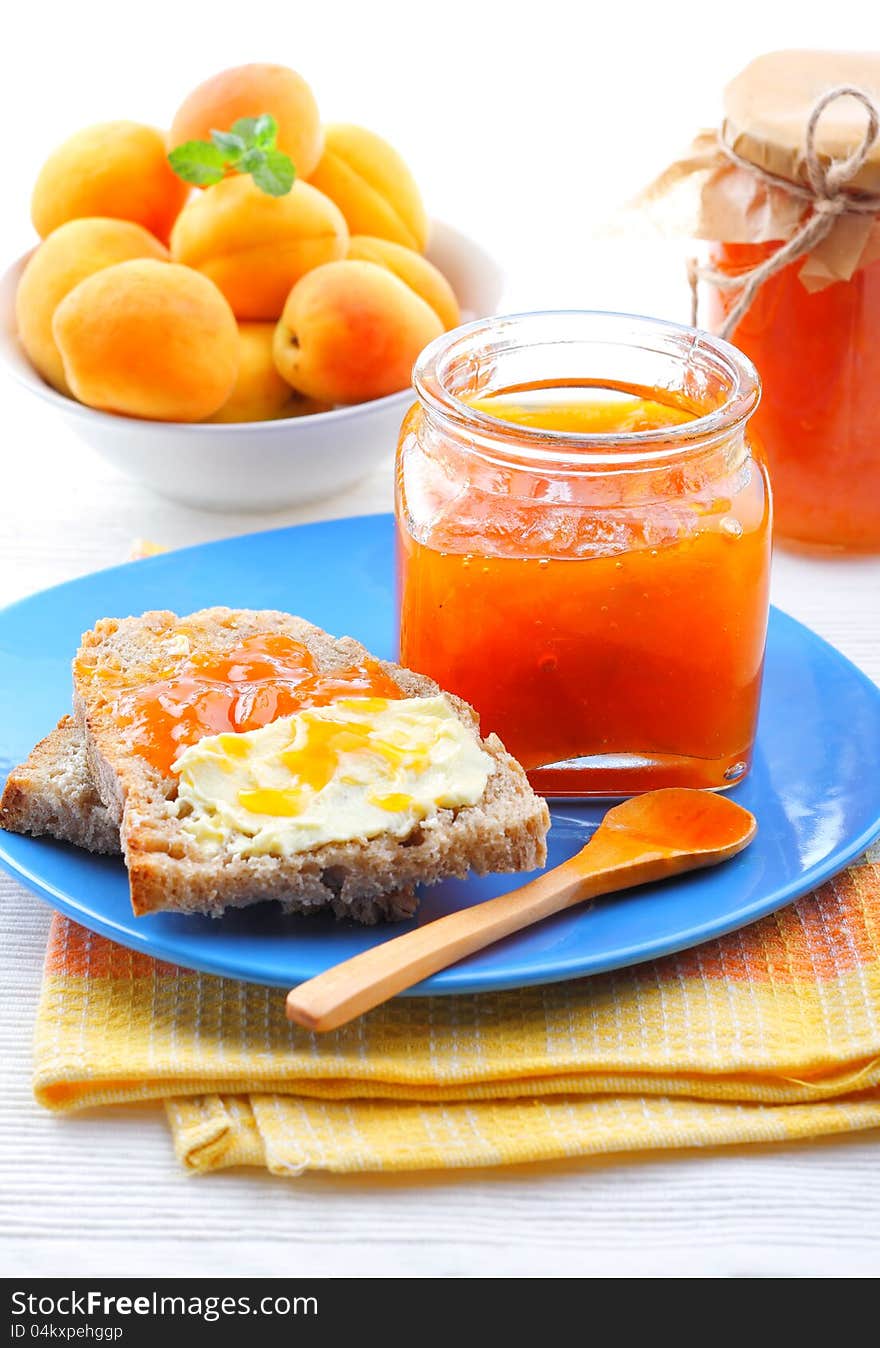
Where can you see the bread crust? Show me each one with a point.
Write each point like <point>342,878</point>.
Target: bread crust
<point>52,795</point>
<point>366,879</point>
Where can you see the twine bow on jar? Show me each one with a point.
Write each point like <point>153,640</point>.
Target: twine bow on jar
<point>825,193</point>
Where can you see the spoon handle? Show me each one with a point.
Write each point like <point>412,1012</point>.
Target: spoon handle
<point>349,989</point>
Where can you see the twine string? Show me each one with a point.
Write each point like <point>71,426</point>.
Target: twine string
<point>826,195</point>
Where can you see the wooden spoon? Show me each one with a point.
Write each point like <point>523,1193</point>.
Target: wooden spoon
<point>645,839</point>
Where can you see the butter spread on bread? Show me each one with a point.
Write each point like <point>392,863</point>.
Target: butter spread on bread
<point>354,769</point>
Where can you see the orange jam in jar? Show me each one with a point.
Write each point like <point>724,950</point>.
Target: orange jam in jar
<point>819,420</point>
<point>584,546</point>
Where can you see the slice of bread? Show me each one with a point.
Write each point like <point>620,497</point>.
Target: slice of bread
<point>364,878</point>
<point>51,794</point>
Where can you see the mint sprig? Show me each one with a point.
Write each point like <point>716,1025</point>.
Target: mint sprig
<point>198,162</point>
<point>247,147</point>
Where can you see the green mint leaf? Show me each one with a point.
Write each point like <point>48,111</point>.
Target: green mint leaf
<point>198,162</point>
<point>265,132</point>
<point>251,159</point>
<point>275,175</point>
<point>257,132</point>
<point>248,148</point>
<point>244,129</point>
<point>233,146</point>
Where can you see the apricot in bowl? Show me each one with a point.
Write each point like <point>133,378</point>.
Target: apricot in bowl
<point>350,332</point>
<point>251,91</point>
<point>254,246</point>
<point>372,186</point>
<point>116,169</point>
<point>148,339</point>
<point>73,251</point>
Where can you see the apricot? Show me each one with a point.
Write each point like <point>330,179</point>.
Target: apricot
<point>250,91</point>
<point>254,246</point>
<point>71,253</point>
<point>371,185</point>
<point>148,339</point>
<point>259,392</point>
<point>351,331</point>
<point>414,270</point>
<point>117,169</point>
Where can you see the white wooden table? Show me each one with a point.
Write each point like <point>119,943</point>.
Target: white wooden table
<point>103,1193</point>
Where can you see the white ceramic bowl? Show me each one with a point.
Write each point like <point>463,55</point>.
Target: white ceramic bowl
<point>256,465</point>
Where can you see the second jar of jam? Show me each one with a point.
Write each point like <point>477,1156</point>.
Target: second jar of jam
<point>794,120</point>
<point>584,546</point>
<point>819,421</point>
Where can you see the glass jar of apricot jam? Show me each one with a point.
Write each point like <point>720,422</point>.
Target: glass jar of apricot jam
<point>584,546</point>
<point>819,421</point>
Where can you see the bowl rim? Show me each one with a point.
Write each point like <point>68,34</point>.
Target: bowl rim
<point>17,364</point>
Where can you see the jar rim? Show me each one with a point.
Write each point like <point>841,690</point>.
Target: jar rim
<point>535,444</point>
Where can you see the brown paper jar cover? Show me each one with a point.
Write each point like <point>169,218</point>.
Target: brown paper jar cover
<point>767,106</point>
<point>766,110</point>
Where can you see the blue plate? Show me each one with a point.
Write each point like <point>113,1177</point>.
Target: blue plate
<point>817,803</point>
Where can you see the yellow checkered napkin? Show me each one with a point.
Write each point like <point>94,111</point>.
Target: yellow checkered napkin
<point>770,1034</point>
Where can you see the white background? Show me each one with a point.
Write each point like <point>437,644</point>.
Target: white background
<point>527,126</point>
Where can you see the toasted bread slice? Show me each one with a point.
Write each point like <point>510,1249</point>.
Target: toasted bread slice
<point>51,794</point>
<point>169,871</point>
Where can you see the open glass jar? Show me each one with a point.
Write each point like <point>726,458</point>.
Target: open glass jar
<point>584,546</point>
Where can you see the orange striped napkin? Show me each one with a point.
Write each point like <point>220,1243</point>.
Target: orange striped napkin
<point>771,1034</point>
